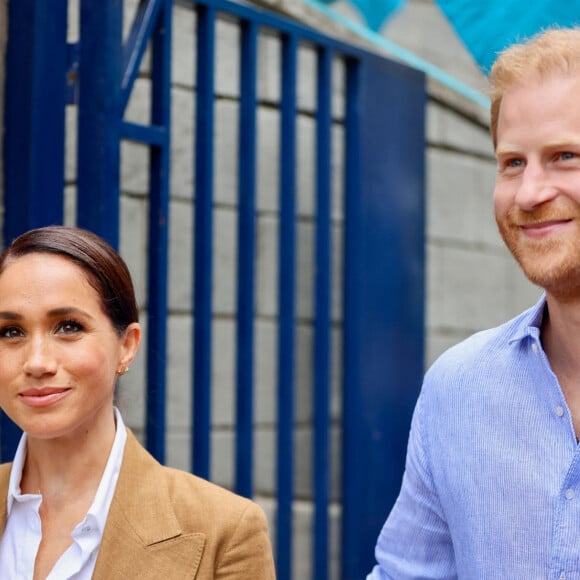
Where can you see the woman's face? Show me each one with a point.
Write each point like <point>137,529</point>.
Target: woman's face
<point>59,352</point>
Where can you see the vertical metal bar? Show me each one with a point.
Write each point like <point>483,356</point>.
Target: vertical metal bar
<point>36,64</point>
<point>158,235</point>
<point>204,163</point>
<point>384,314</point>
<point>246,260</point>
<point>286,307</point>
<point>320,467</point>
<point>351,329</point>
<point>99,121</point>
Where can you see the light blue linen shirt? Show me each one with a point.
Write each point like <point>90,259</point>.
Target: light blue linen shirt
<point>491,488</point>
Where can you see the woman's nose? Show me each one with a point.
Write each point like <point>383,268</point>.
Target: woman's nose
<point>40,359</point>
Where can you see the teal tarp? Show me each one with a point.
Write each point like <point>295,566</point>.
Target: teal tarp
<point>488,26</point>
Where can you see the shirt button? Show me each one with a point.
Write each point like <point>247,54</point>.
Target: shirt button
<point>86,529</point>
<point>560,411</point>
<point>535,347</point>
<point>570,494</point>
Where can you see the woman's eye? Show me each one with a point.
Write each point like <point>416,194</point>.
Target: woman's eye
<point>69,327</point>
<point>11,332</point>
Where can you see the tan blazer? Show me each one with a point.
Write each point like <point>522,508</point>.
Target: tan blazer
<point>166,524</point>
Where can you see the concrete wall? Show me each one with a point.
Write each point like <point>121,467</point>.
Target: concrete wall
<point>472,282</point>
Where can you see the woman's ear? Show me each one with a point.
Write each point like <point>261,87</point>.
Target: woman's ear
<point>130,344</point>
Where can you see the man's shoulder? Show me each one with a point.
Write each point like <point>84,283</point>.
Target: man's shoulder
<point>484,349</point>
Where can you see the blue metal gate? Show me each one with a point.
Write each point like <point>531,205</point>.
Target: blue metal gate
<point>383,251</point>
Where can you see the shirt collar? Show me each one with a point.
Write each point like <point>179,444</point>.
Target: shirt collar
<point>99,508</point>
<point>530,322</point>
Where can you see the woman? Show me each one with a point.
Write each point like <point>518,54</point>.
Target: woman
<point>82,498</point>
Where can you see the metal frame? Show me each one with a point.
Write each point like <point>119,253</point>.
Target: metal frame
<point>383,248</point>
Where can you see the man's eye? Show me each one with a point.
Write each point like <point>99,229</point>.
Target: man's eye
<point>11,332</point>
<point>514,163</point>
<point>567,155</point>
<point>69,327</point>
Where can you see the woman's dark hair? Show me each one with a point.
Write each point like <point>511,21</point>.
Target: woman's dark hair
<point>106,271</point>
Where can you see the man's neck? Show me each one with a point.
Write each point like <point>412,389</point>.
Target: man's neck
<point>561,336</point>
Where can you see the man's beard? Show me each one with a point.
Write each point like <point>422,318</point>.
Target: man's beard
<point>552,262</point>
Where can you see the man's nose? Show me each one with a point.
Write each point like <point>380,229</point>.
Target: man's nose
<point>535,187</point>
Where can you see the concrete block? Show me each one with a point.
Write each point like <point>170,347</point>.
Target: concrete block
<point>133,243</point>
<point>182,143</point>
<point>134,168</point>
<point>184,47</point>
<point>447,128</point>
<point>223,458</point>
<point>267,269</point>
<point>265,461</point>
<point>181,265</point>
<point>338,89</point>
<point>265,369</point>
<point>70,205</point>
<point>460,206</point>
<point>226,149</point>
<point>337,274</point>
<point>305,166</point>
<point>139,105</point>
<point>178,449</point>
<point>179,372</point>
<point>338,167</point>
<point>466,288</point>
<point>70,144</point>
<point>306,83</point>
<point>225,261</point>
<point>336,369</point>
<point>227,58</point>
<point>304,382</point>
<point>269,67</point>
<point>73,11</point>
<point>305,267</point>
<point>223,373</point>
<point>268,179</point>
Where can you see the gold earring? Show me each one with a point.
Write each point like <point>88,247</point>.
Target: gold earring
<point>123,371</point>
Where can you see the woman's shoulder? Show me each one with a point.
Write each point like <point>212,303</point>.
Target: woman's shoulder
<point>187,488</point>
<point>188,493</point>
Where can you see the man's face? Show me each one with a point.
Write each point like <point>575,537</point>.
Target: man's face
<point>537,192</point>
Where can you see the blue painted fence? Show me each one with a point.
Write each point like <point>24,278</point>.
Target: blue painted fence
<point>383,252</point>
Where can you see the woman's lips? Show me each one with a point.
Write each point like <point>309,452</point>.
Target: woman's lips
<point>43,397</point>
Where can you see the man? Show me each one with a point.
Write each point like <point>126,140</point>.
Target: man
<point>491,488</point>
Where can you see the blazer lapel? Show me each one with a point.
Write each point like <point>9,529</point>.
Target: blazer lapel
<point>142,537</point>
<point>4,483</point>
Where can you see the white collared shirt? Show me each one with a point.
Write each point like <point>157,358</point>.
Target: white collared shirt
<point>22,535</point>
